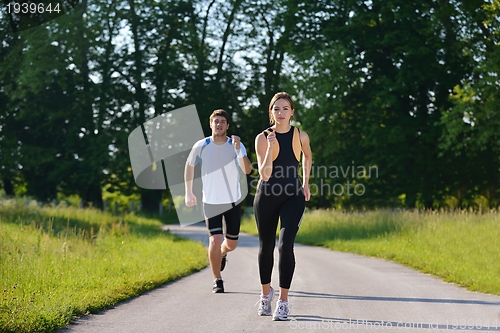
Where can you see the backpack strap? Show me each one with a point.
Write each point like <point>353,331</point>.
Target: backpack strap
<point>207,141</point>
<point>198,156</point>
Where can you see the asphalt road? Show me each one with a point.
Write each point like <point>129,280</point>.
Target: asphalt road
<point>330,292</point>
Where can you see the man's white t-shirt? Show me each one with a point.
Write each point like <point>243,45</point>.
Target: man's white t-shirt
<point>220,170</point>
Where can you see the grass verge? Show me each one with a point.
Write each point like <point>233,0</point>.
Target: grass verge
<point>59,263</point>
<point>461,247</point>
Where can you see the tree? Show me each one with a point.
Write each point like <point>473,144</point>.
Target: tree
<point>9,70</point>
<point>380,75</point>
<point>471,124</point>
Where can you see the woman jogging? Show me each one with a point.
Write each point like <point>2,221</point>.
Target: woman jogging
<point>280,195</point>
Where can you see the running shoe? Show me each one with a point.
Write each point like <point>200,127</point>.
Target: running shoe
<point>218,286</point>
<point>265,303</point>
<point>282,310</point>
<point>223,262</point>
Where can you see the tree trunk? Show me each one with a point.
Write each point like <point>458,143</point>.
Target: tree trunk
<point>8,187</point>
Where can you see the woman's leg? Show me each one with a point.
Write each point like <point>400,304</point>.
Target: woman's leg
<point>291,213</point>
<point>266,216</point>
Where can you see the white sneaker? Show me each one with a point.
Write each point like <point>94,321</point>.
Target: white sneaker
<point>282,310</point>
<point>265,303</point>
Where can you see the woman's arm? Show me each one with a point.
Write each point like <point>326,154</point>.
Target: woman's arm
<point>306,163</point>
<point>264,148</point>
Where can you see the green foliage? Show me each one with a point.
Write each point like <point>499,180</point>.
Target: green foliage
<point>408,87</point>
<point>60,262</point>
<point>470,126</point>
<point>378,77</point>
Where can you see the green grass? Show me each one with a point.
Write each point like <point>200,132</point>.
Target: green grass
<point>461,247</point>
<point>59,263</point>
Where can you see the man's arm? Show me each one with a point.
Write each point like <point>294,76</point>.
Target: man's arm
<point>243,160</point>
<point>247,165</point>
<point>190,198</point>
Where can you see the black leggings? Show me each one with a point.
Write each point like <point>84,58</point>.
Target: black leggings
<point>268,207</point>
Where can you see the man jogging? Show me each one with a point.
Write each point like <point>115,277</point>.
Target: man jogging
<point>222,158</point>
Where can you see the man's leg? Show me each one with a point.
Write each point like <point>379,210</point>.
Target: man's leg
<point>228,245</point>
<point>232,220</point>
<point>214,225</point>
<point>214,254</point>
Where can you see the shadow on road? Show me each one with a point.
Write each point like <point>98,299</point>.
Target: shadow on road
<point>296,293</point>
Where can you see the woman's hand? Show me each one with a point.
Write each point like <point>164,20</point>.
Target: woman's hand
<point>307,192</point>
<point>271,139</point>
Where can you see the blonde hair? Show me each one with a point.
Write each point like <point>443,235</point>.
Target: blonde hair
<point>277,96</point>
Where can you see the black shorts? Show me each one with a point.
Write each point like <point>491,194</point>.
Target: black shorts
<point>232,219</point>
